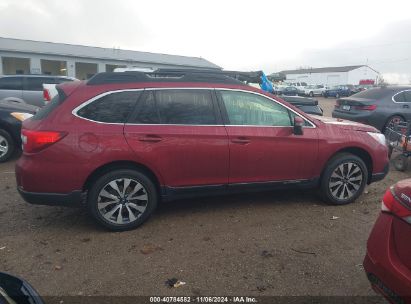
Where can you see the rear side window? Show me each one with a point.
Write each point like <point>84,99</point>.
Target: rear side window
<point>174,106</point>
<point>36,83</point>
<point>403,97</point>
<point>111,108</point>
<point>11,83</point>
<point>188,107</point>
<point>375,93</point>
<point>51,106</point>
<point>147,111</point>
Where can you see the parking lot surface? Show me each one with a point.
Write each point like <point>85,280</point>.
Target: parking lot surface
<point>276,243</point>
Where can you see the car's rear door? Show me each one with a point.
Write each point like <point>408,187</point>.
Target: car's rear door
<point>179,134</point>
<point>262,145</point>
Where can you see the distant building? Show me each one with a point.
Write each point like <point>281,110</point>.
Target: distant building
<point>36,57</point>
<point>331,76</point>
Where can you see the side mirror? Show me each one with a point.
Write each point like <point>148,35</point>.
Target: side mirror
<point>14,290</point>
<point>298,125</point>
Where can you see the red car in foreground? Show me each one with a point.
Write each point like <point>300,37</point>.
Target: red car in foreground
<point>388,259</point>
<point>121,142</point>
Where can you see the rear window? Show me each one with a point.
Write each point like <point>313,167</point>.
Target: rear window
<point>48,108</point>
<point>373,93</point>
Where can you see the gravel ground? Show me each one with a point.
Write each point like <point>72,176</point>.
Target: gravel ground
<point>277,243</point>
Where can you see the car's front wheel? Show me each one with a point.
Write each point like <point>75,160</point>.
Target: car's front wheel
<point>344,179</point>
<point>122,199</point>
<point>7,146</point>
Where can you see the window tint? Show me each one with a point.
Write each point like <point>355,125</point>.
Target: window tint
<point>11,83</point>
<point>404,96</point>
<point>189,107</point>
<point>250,109</point>
<point>112,108</point>
<point>374,93</point>
<point>400,97</point>
<point>146,110</point>
<point>36,83</point>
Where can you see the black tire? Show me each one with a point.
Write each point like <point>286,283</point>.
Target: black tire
<point>118,176</point>
<point>325,95</point>
<point>7,142</point>
<point>391,121</point>
<point>401,163</point>
<point>327,179</point>
<point>311,94</point>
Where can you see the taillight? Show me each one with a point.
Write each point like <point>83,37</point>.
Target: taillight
<point>398,205</point>
<point>35,141</point>
<point>46,95</point>
<point>366,107</point>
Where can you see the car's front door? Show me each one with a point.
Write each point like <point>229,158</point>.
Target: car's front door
<point>263,147</point>
<point>180,135</point>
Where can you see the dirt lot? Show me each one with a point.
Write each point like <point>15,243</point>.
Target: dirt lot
<point>279,243</point>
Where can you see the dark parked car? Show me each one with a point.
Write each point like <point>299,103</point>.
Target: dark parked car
<point>11,116</point>
<point>338,91</point>
<point>27,88</point>
<point>308,105</point>
<point>378,107</point>
<point>129,139</point>
<point>388,259</point>
<point>290,91</point>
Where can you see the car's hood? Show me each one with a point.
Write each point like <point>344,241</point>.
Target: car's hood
<point>345,124</point>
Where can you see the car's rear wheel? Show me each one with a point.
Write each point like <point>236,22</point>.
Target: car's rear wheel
<point>344,179</point>
<point>311,94</point>
<point>393,120</point>
<point>122,199</point>
<point>7,146</point>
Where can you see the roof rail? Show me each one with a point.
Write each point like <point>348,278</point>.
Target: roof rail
<point>162,75</point>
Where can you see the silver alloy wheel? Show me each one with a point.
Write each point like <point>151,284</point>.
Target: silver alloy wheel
<point>4,146</point>
<point>122,201</point>
<point>345,181</point>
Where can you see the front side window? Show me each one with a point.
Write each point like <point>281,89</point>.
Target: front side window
<point>11,83</point>
<point>111,108</point>
<point>251,109</point>
<point>188,107</point>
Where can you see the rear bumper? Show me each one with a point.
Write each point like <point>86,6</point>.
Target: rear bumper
<point>380,176</point>
<point>385,271</point>
<point>72,199</point>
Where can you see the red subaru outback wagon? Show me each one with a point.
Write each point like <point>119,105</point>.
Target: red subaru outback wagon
<point>121,142</point>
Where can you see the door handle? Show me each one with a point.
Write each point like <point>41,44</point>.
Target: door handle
<point>406,106</point>
<point>240,140</point>
<point>150,138</point>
